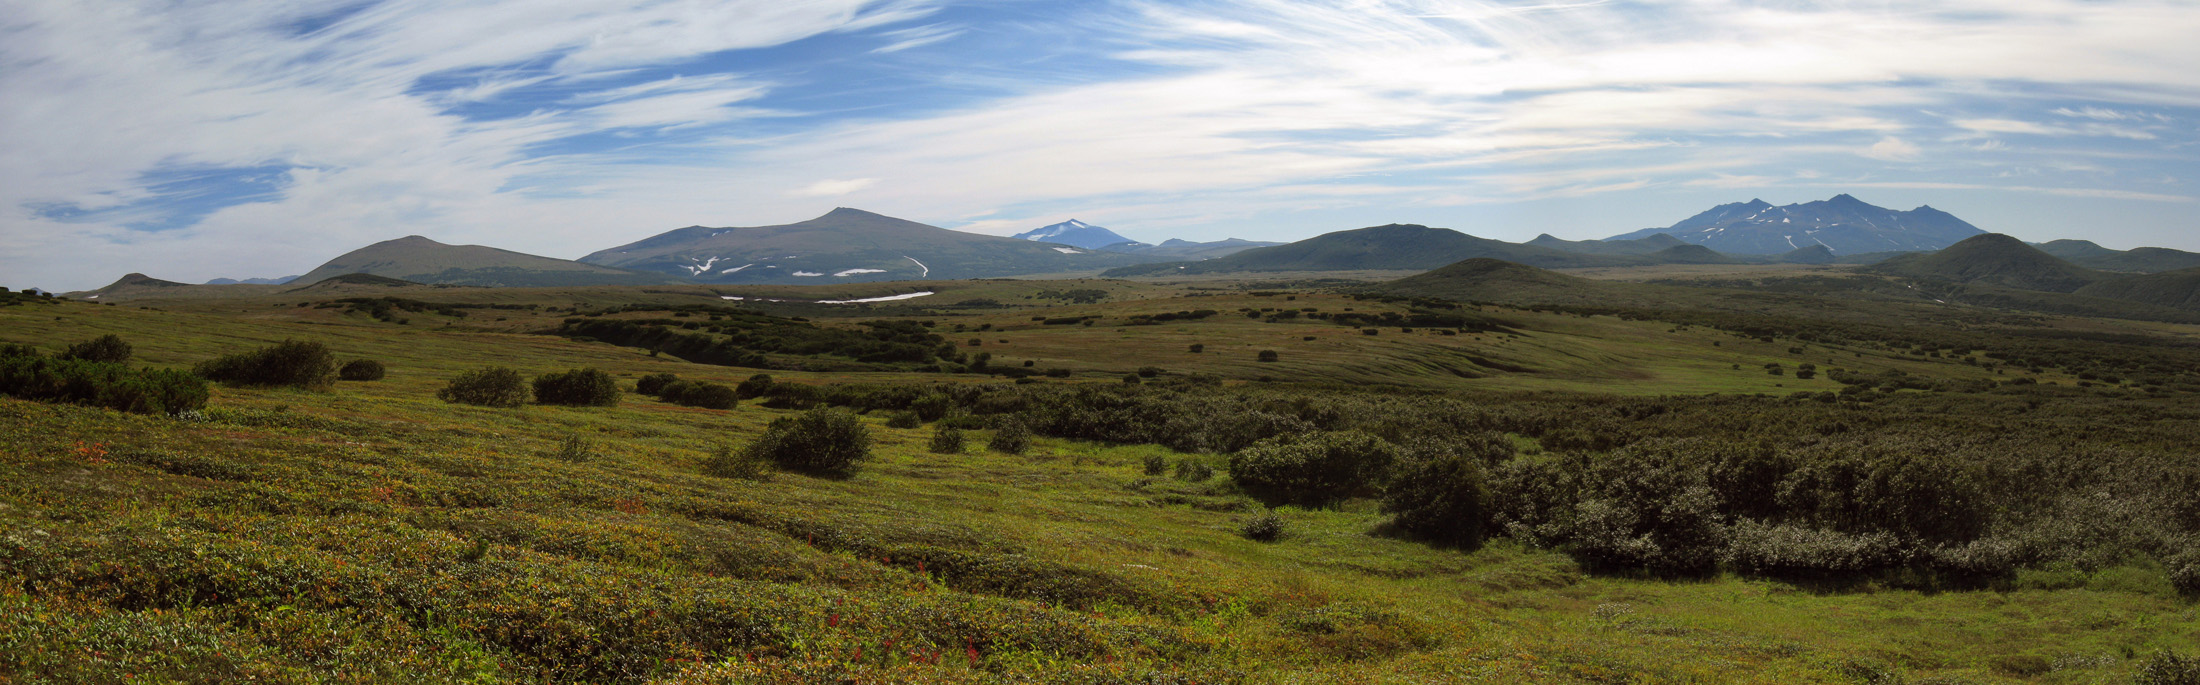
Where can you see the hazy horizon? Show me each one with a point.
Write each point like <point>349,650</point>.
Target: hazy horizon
<point>240,140</point>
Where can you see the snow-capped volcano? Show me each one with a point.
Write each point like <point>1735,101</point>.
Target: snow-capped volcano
<point>1076,233</point>
<point>1843,224</point>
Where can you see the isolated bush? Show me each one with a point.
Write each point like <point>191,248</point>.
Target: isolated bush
<point>791,396</point>
<point>703,394</point>
<point>932,406</point>
<point>1198,348</point>
<point>654,384</point>
<point>1442,497</point>
<point>1313,468</point>
<point>1010,436</point>
<point>108,348</point>
<point>577,388</point>
<point>947,440</point>
<point>101,384</point>
<point>295,363</point>
<point>1262,528</point>
<point>575,449</point>
<point>828,442</point>
<point>361,370</point>
<point>2167,667</point>
<point>1194,470</point>
<point>1156,464</point>
<point>903,419</point>
<point>1267,355</point>
<point>754,386</point>
<point>494,386</point>
<point>726,462</point>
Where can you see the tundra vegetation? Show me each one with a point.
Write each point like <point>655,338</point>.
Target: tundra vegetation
<point>1501,493</point>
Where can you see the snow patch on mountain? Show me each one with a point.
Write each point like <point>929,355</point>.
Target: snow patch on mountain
<point>852,272</point>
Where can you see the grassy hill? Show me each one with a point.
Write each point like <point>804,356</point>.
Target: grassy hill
<point>2179,289</point>
<point>1991,258</point>
<point>2137,260</point>
<point>1638,246</point>
<point>420,260</point>
<point>847,245</point>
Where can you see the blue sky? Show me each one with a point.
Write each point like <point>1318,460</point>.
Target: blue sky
<point>239,139</point>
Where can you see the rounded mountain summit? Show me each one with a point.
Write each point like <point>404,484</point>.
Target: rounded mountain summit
<point>847,245</point>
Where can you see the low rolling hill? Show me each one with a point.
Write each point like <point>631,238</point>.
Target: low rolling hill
<point>2088,254</point>
<point>421,260</point>
<point>1994,259</point>
<point>846,245</point>
<point>1393,246</point>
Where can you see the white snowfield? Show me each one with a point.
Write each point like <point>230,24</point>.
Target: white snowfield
<point>738,268</point>
<point>1067,250</point>
<point>852,272</point>
<point>702,268</point>
<point>888,298</point>
<point>808,273</point>
<point>920,265</point>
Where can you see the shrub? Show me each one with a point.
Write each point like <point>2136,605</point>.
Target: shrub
<point>727,462</point>
<point>577,388</point>
<point>903,419</point>
<point>1267,355</point>
<point>295,363</point>
<point>1194,470</point>
<point>1262,528</point>
<point>654,384</point>
<point>575,449</point>
<point>703,394</point>
<point>755,386</point>
<point>931,406</point>
<point>1442,497</point>
<point>830,442</point>
<point>108,348</point>
<point>947,440</point>
<point>361,370</point>
<point>1011,437</point>
<point>1198,348</point>
<point>101,384</point>
<point>1313,468</point>
<point>2167,667</point>
<point>1156,465</point>
<point>494,386</point>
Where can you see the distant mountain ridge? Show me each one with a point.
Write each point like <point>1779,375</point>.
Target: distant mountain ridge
<point>1842,224</point>
<point>421,260</point>
<point>1387,247</point>
<point>1076,233</point>
<point>253,281</point>
<point>2088,254</point>
<point>846,245</point>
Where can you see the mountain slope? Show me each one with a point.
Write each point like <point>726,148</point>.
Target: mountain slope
<point>1184,250</point>
<point>420,260</point>
<point>1843,224</point>
<point>1393,246</point>
<point>846,245</point>
<point>2179,289</point>
<point>1075,233</point>
<point>1493,280</point>
<point>1995,259</point>
<point>2087,254</point>
<point>1640,246</point>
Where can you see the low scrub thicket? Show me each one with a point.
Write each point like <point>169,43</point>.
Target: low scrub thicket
<point>361,370</point>
<point>292,363</point>
<point>494,386</point>
<point>26,374</point>
<point>704,394</point>
<point>1931,488</point>
<point>108,348</point>
<point>823,442</point>
<point>577,388</point>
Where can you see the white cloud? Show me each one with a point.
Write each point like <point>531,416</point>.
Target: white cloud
<point>1892,149</point>
<point>831,187</point>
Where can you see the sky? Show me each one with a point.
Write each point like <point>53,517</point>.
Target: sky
<point>205,139</point>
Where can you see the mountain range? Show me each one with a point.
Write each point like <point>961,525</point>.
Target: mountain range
<point>1080,234</point>
<point>1842,224</point>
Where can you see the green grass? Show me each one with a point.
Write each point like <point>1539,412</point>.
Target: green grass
<point>374,534</point>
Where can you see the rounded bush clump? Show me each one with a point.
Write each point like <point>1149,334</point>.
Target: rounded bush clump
<point>1010,437</point>
<point>756,386</point>
<point>108,348</point>
<point>654,384</point>
<point>903,419</point>
<point>1263,528</point>
<point>703,394</point>
<point>1442,498</point>
<point>577,388</point>
<point>1313,468</point>
<point>947,440</point>
<point>826,442</point>
<point>495,386</point>
<point>361,370</point>
<point>295,363</point>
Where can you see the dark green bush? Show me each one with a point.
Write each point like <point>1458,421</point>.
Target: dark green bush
<point>947,440</point>
<point>577,388</point>
<point>903,419</point>
<point>1011,437</point>
<point>361,370</point>
<point>703,394</point>
<point>2167,667</point>
<point>295,363</point>
<point>101,384</point>
<point>654,384</point>
<point>495,386</point>
<point>1262,528</point>
<point>1441,497</point>
<point>1194,470</point>
<point>108,348</point>
<point>1267,355</point>
<point>827,442</point>
<point>1313,468</point>
<point>1156,464</point>
<point>932,406</point>
<point>755,386</point>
